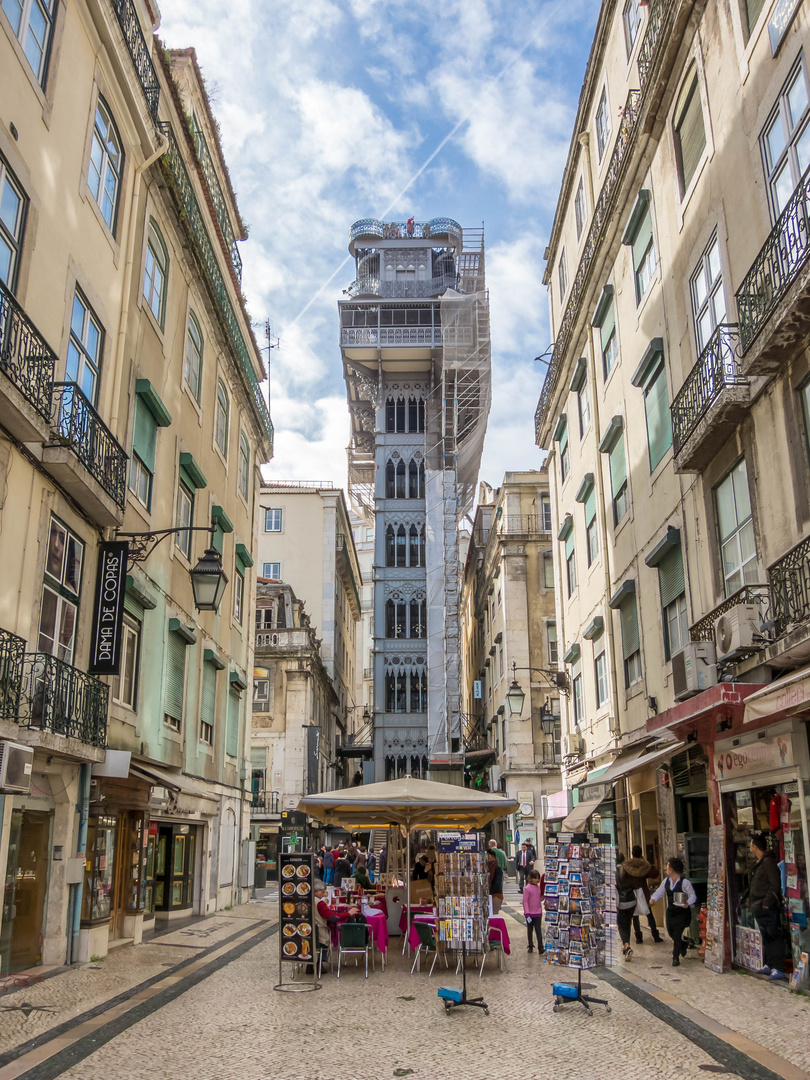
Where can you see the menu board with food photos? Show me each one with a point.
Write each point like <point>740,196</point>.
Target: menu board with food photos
<point>297,936</point>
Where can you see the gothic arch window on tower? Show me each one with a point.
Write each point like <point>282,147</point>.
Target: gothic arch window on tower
<point>405,619</point>
<point>405,415</point>
<point>405,481</point>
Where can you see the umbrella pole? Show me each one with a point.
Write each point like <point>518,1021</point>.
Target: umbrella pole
<point>408,883</point>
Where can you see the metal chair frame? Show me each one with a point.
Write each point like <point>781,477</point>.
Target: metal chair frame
<point>353,947</point>
<point>427,938</point>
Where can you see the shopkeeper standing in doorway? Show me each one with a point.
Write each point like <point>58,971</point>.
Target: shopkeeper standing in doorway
<point>680,897</point>
<point>765,901</point>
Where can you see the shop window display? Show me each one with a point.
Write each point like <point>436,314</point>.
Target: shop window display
<point>97,893</point>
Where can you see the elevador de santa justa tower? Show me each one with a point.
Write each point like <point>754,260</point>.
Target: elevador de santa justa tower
<point>415,343</point>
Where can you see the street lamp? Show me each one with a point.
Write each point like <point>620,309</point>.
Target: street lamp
<point>208,579</point>
<point>515,696</point>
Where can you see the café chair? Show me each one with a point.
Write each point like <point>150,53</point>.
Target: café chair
<point>427,940</point>
<point>494,946</point>
<point>355,940</point>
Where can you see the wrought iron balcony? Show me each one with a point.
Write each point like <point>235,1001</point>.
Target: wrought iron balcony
<point>715,390</point>
<point>218,200</point>
<point>653,38</point>
<point>395,335</point>
<point>26,360</point>
<point>402,230</point>
<point>265,802</point>
<point>527,524</point>
<point>58,698</point>
<point>411,289</point>
<point>777,266</point>
<point>789,577</point>
<point>12,654</point>
<point>178,177</point>
<point>139,52</point>
<point>602,213</point>
<point>757,594</point>
<point>77,425</point>
<point>368,672</point>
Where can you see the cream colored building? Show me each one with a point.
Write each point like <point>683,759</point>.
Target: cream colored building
<point>675,415</point>
<point>305,540</point>
<point>130,401</point>
<point>508,618</point>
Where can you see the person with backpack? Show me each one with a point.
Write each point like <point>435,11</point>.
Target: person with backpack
<point>680,898</point>
<point>765,902</point>
<point>626,909</point>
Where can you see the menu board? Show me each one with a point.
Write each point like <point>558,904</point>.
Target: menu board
<point>716,899</point>
<point>579,904</point>
<point>296,908</point>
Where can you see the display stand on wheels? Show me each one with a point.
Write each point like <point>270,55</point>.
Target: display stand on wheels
<point>462,888</point>
<point>296,939</point>
<point>580,917</point>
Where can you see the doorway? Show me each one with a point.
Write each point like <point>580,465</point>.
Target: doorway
<point>26,889</point>
<point>127,895</point>
<point>174,867</point>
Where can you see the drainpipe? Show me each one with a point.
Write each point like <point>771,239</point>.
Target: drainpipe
<point>81,853</point>
<point>127,289</point>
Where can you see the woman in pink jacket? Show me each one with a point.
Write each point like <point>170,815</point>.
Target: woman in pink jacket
<point>533,908</point>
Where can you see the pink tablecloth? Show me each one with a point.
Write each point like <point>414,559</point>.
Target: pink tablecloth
<point>496,923</point>
<point>378,928</point>
<point>416,909</point>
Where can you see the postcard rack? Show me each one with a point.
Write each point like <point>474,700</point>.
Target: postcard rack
<point>462,898</point>
<point>580,910</point>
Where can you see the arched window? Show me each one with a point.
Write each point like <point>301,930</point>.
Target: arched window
<point>243,477</point>
<point>400,414</point>
<point>402,693</point>
<point>390,549</point>
<point>390,480</point>
<point>401,547</point>
<point>413,546</point>
<point>390,695</point>
<point>221,418</point>
<point>425,765</point>
<point>418,611</point>
<point>421,411</point>
<point>415,763</point>
<point>414,691</point>
<point>402,766</point>
<point>413,414</point>
<point>106,164</point>
<point>421,539</point>
<point>390,617</point>
<point>192,367</point>
<point>423,692</point>
<point>400,479</point>
<point>390,767</point>
<point>390,415</point>
<point>156,273</point>
<point>421,480</point>
<point>413,480</point>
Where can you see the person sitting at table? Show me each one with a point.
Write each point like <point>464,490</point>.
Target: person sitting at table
<point>362,878</point>
<point>420,870</point>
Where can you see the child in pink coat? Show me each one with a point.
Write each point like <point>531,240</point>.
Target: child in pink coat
<point>533,908</point>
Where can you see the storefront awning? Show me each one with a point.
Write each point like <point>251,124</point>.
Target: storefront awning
<point>174,781</point>
<point>575,822</point>
<point>784,697</point>
<point>639,757</point>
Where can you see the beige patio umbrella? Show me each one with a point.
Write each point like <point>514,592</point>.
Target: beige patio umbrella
<point>411,803</point>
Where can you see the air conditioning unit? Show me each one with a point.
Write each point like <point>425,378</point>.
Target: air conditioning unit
<point>573,745</point>
<point>734,632</point>
<point>694,669</point>
<point>16,763</point>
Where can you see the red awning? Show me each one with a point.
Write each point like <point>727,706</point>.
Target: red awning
<point>700,713</point>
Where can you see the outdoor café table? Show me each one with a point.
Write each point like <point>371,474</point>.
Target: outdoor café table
<point>377,928</point>
<point>497,930</point>
<point>416,909</point>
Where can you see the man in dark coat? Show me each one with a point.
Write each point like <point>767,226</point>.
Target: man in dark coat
<point>524,863</point>
<point>765,903</point>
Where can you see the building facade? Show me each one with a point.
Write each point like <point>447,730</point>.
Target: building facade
<point>130,403</point>
<point>414,336</point>
<point>674,413</point>
<point>509,633</point>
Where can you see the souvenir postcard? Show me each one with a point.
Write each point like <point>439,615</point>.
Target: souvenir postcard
<point>562,887</point>
<point>575,933</point>
<point>562,851</point>
<point>576,918</point>
<point>564,903</point>
<point>551,875</point>
<point>551,890</point>
<point>575,947</point>
<point>586,906</point>
<point>562,869</point>
<point>551,851</point>
<point>576,961</point>
<point>551,917</point>
<point>575,878</point>
<point>574,851</point>
<point>563,939</point>
<point>574,864</point>
<point>551,903</point>
<point>564,921</point>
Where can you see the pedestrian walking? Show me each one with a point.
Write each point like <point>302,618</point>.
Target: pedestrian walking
<point>639,870</point>
<point>765,901</point>
<point>372,864</point>
<point>680,896</point>
<point>626,908</point>
<point>500,854</point>
<point>495,880</point>
<point>328,866</point>
<point>533,910</point>
<point>524,863</point>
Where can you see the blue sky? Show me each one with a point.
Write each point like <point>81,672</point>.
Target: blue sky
<point>330,110</point>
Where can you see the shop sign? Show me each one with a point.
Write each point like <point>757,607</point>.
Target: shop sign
<point>758,757</point>
<point>448,840</point>
<point>108,614</point>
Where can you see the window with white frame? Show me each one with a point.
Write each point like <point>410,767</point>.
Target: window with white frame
<point>60,593</point>
<point>688,129</point>
<point>602,124</point>
<point>222,411</point>
<point>753,9</point>
<point>156,273</point>
<point>261,690</point>
<point>639,237</point>
<point>84,348</point>
<point>583,408</point>
<point>562,273</point>
<point>604,319</point>
<point>570,564</point>
<point>185,518</point>
<point>548,570</point>
<point>786,139</point>
<point>600,676</point>
<point>124,687</point>
<point>273,520</point>
<point>708,297</point>
<point>32,23</point>
<point>551,636</point>
<point>579,697</point>
<point>736,529</point>
<point>591,531</point>
<point>579,207</point>
<point>106,164</point>
<point>545,513</point>
<point>238,596</point>
<point>632,21</point>
<point>13,205</point>
<point>192,363</point>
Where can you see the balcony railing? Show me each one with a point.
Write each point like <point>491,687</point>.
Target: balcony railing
<point>790,588</point>
<point>218,200</point>
<point>777,265</point>
<point>717,367</point>
<point>653,37</point>
<point>601,214</point>
<point>265,802</point>
<point>176,170</point>
<point>61,699</point>
<point>139,52</point>
<point>395,335</point>
<point>757,594</point>
<point>25,356</point>
<point>12,653</point>
<point>530,524</point>
<point>402,289</point>
<point>342,548</point>
<point>398,230</point>
<point>77,424</point>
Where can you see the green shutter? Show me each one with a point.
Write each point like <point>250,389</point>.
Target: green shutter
<point>175,676</point>
<point>232,733</point>
<point>629,618</point>
<point>641,240</point>
<point>752,10</point>
<point>608,325</point>
<point>590,506</point>
<point>670,577</point>
<point>569,544</point>
<point>690,131</point>
<point>218,538</point>
<point>656,403</point>
<point>144,434</point>
<point>618,466</point>
<point>133,607</point>
<point>563,440</point>
<point>209,694</point>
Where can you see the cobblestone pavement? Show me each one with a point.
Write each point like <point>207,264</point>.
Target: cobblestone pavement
<point>220,1019</point>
